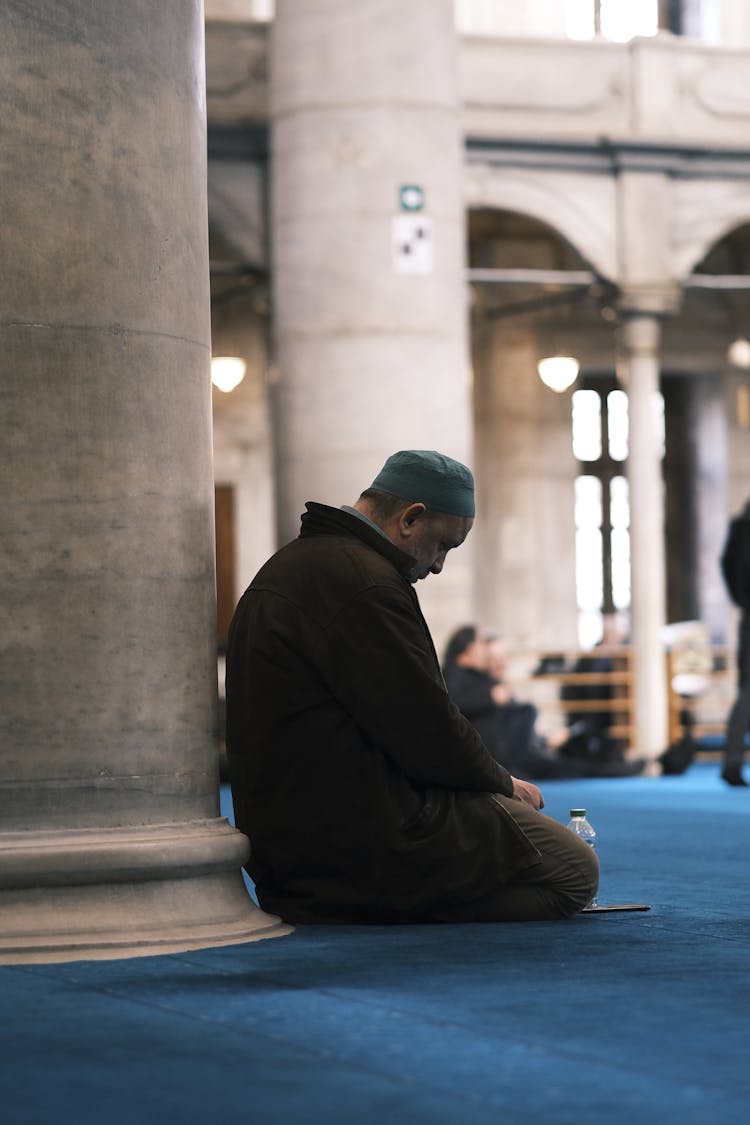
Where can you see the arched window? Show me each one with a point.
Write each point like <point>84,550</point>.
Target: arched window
<point>602,505</point>
<point>602,511</point>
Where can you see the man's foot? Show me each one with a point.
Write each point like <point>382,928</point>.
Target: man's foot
<point>733,776</point>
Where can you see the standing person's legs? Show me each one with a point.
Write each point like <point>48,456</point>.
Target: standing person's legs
<point>561,884</point>
<point>737,727</point>
<point>738,722</point>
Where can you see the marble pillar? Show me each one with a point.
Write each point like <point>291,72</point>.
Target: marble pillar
<point>524,534</point>
<point>369,300</point>
<point>695,469</point>
<point>111,842</point>
<point>639,341</point>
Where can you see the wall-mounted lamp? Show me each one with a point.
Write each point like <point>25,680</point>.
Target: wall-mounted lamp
<point>738,352</point>
<point>558,372</point>
<point>227,371</point>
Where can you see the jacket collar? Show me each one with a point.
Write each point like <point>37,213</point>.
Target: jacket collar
<point>321,519</point>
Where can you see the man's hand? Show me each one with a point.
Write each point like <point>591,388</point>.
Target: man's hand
<point>527,792</point>
<point>500,694</point>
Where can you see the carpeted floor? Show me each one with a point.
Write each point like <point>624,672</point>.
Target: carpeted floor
<point>610,1018</point>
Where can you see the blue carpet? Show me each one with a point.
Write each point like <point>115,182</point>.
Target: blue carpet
<point>610,1018</point>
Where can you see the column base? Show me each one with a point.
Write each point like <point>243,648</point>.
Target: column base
<point>97,894</point>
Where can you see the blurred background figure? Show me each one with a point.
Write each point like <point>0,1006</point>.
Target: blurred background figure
<point>735,566</point>
<point>475,671</point>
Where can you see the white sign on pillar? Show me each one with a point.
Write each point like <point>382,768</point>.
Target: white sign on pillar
<point>412,244</point>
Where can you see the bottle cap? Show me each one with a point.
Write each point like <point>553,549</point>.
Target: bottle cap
<point>577,812</point>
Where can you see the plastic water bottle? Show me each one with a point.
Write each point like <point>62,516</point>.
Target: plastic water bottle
<point>580,825</point>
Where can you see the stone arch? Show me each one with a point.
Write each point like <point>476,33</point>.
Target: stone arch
<point>579,208</point>
<point>706,218</point>
<point>728,254</point>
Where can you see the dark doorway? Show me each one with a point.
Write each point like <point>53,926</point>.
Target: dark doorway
<point>225,558</point>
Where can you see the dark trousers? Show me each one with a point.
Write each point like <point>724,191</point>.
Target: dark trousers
<point>563,881</point>
<point>738,722</point>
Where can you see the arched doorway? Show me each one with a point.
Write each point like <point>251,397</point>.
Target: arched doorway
<point>535,295</point>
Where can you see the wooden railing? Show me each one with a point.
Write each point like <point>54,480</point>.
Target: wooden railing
<point>706,712</point>
<point>545,688</point>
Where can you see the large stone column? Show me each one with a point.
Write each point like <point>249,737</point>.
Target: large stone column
<point>369,300</point>
<point>524,534</point>
<point>640,375</point>
<point>111,843</point>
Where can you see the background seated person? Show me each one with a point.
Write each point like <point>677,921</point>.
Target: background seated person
<point>474,669</point>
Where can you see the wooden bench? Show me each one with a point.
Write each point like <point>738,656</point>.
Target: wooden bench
<point>545,687</point>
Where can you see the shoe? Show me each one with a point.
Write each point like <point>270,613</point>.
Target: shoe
<point>733,776</point>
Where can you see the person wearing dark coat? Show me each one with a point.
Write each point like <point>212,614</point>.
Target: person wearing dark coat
<point>473,669</point>
<point>735,566</point>
<point>366,795</point>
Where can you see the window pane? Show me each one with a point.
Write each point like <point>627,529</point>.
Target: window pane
<point>579,19</point>
<point>587,426</point>
<point>619,502</point>
<point>622,19</point>
<point>588,502</point>
<point>589,628</point>
<point>620,541</point>
<point>617,424</point>
<point>589,569</point>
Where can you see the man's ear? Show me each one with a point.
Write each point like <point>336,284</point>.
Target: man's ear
<point>410,517</point>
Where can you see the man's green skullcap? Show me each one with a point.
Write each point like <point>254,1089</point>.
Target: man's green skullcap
<point>432,478</point>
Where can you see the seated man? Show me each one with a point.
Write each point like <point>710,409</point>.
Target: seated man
<point>505,725</point>
<point>366,795</point>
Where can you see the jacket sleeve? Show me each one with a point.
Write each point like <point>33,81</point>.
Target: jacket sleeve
<point>470,691</point>
<point>735,562</point>
<point>381,667</point>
